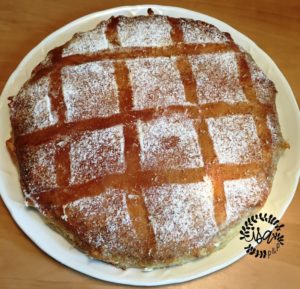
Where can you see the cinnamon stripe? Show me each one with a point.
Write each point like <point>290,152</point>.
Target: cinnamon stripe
<point>137,210</point>
<point>205,142</point>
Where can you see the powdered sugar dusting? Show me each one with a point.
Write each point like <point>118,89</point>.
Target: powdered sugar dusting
<point>169,142</point>
<point>155,82</point>
<point>105,221</point>
<point>235,138</point>
<point>264,87</point>
<point>47,61</point>
<point>87,42</point>
<point>96,154</point>
<point>241,195</point>
<point>144,31</point>
<point>32,107</point>
<point>182,216</point>
<point>274,128</point>
<point>217,78</point>
<point>38,168</point>
<point>90,90</point>
<point>200,32</point>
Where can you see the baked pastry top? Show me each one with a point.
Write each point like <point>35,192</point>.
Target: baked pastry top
<point>147,139</point>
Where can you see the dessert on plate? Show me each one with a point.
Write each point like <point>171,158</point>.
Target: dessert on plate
<point>146,140</point>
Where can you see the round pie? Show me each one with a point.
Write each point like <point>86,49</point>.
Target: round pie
<point>146,140</point>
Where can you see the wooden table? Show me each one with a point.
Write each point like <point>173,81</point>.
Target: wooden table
<point>273,25</point>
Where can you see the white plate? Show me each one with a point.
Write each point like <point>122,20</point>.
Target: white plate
<point>57,247</point>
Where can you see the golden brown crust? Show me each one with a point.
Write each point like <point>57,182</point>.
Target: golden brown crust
<point>146,140</point>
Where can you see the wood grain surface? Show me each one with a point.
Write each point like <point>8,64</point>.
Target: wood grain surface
<point>273,25</point>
